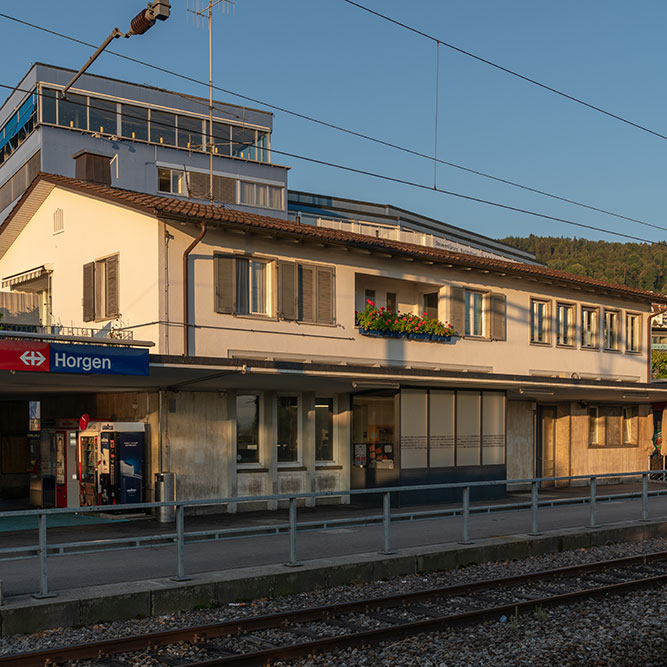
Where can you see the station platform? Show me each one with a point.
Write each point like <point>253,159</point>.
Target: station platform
<point>124,583</point>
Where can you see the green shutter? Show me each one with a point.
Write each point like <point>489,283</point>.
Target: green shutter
<point>457,310</point>
<point>287,290</point>
<point>325,295</point>
<point>498,316</point>
<point>225,284</point>
<point>111,294</point>
<point>89,292</point>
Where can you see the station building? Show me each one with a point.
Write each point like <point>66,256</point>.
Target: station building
<point>232,339</point>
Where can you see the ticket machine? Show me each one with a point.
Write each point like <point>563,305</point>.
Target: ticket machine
<point>67,473</point>
<point>111,463</point>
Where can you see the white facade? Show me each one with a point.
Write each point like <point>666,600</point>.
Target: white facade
<point>506,372</point>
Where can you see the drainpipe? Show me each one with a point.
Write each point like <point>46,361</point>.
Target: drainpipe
<point>186,290</point>
<point>649,342</point>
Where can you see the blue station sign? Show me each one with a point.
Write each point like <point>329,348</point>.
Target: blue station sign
<point>97,360</point>
<point>69,358</point>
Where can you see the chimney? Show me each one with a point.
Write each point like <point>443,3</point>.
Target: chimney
<point>93,167</point>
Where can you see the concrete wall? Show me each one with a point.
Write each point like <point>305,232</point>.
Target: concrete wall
<point>520,441</point>
<point>608,459</point>
<point>196,444</point>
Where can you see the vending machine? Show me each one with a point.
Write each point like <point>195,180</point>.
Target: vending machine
<point>67,473</point>
<point>111,463</point>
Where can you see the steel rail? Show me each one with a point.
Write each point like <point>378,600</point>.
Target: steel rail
<point>238,626</point>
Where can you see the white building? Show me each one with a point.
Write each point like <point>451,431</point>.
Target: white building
<point>261,381</point>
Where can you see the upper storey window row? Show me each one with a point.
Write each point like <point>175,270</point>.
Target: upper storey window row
<point>19,125</point>
<point>139,123</point>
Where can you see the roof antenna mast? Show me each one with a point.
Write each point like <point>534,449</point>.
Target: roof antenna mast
<point>203,10</point>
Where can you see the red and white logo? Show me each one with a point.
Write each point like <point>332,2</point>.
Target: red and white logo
<point>32,358</point>
<point>19,356</point>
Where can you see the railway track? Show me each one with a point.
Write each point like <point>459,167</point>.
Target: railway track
<point>261,640</point>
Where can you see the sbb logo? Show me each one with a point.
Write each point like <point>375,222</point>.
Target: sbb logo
<point>33,358</point>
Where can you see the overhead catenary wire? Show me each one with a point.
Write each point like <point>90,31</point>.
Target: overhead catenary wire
<point>339,128</point>
<point>393,179</point>
<point>509,71</point>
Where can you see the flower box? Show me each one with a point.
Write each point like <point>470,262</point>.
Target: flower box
<point>419,336</point>
<point>395,334</point>
<point>370,332</point>
<point>440,339</point>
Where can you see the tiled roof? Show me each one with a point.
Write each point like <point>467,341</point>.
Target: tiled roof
<point>185,209</point>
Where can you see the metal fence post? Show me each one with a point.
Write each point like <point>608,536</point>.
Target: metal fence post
<point>533,508</point>
<point>645,497</point>
<point>592,519</point>
<point>292,534</point>
<point>386,520</point>
<point>43,579</point>
<point>180,544</point>
<point>466,515</point>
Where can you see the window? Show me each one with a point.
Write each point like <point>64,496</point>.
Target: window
<point>49,105</point>
<point>172,181</point>
<point>431,305</point>
<point>613,426</point>
<point>630,425</point>
<point>163,128</point>
<point>247,428</point>
<point>392,302</point>
<point>369,295</point>
<point>134,122</point>
<point>100,289</point>
<point>540,321</point>
<point>190,133</point>
<point>17,127</point>
<point>611,321</point>
<point>474,313</point>
<point>222,138</point>
<point>261,195</point>
<point>323,429</point>
<point>632,332</point>
<point>73,112</point>
<point>306,292</point>
<point>565,324</point>
<point>589,327</point>
<point>103,116</point>
<point>593,426</point>
<point>288,428</point>
<point>243,143</point>
<point>242,285</point>
<point>251,287</point>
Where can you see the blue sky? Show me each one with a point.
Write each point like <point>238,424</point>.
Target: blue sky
<point>339,64</point>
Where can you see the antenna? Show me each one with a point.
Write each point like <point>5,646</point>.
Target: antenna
<point>202,10</point>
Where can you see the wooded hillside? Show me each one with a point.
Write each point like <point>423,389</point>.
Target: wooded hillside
<point>634,264</point>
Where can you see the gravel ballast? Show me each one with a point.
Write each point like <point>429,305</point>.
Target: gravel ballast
<point>620,630</point>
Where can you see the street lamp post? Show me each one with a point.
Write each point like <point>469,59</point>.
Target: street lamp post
<point>143,21</point>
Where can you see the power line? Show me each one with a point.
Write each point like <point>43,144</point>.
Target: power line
<point>523,77</point>
<point>393,179</point>
<point>339,128</point>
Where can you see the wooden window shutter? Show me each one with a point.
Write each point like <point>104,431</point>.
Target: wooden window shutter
<point>287,290</point>
<point>306,293</point>
<point>457,310</point>
<point>325,295</point>
<point>111,294</point>
<point>225,284</point>
<point>89,292</point>
<point>498,316</point>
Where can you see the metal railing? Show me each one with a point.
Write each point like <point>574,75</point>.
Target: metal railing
<point>43,550</point>
<point>59,330</point>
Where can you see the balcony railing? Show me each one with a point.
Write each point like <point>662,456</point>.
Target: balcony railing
<point>59,330</point>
